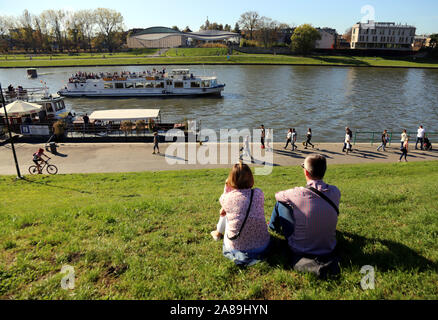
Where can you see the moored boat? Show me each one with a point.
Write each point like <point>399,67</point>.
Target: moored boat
<point>154,83</point>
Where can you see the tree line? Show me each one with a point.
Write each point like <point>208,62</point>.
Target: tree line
<point>62,30</point>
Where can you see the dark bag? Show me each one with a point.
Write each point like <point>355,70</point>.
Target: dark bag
<point>321,266</point>
<point>244,221</point>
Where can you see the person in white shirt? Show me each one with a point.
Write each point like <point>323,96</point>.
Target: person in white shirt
<point>288,138</point>
<point>294,139</point>
<point>246,150</point>
<point>420,137</point>
<point>404,137</point>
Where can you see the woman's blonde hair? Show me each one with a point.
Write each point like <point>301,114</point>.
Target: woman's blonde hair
<point>240,177</point>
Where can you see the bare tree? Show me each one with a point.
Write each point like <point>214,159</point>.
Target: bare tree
<point>249,21</point>
<point>109,22</point>
<point>347,35</point>
<point>56,21</point>
<point>86,20</point>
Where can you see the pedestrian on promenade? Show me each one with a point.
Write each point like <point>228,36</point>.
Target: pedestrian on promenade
<point>269,140</point>
<point>294,139</point>
<point>246,150</point>
<point>420,137</point>
<point>156,147</point>
<point>404,136</point>
<point>347,141</point>
<point>242,221</point>
<point>262,136</point>
<point>86,120</point>
<point>405,150</point>
<point>384,141</point>
<point>288,138</point>
<point>309,138</point>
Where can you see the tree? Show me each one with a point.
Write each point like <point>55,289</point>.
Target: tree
<point>56,20</point>
<point>434,41</point>
<point>304,38</point>
<point>109,22</point>
<point>267,32</point>
<point>175,28</point>
<point>249,21</point>
<point>236,28</point>
<point>347,34</point>
<point>86,21</point>
<point>187,29</point>
<point>227,27</point>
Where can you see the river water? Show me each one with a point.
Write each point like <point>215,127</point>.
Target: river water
<point>327,99</point>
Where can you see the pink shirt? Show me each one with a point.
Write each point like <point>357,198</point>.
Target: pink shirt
<point>255,232</point>
<point>315,219</point>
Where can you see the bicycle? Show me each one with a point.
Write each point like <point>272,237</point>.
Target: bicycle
<point>50,168</point>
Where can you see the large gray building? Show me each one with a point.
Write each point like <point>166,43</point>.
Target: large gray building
<point>382,35</point>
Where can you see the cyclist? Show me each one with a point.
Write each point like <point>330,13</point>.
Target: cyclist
<point>37,158</point>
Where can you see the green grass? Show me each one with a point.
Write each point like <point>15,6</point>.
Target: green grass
<point>147,236</point>
<point>210,56</point>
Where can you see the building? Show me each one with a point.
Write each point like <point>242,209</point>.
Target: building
<point>157,38</point>
<point>328,38</point>
<point>213,36</point>
<point>382,35</point>
<point>420,41</point>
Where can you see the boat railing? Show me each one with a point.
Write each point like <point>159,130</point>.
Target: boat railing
<point>26,94</point>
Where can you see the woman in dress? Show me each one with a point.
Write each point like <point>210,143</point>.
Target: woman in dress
<point>242,221</point>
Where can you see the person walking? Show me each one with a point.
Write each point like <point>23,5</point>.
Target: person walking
<point>347,142</point>
<point>420,137</point>
<point>405,150</point>
<point>269,140</point>
<point>263,135</point>
<point>309,138</point>
<point>384,141</point>
<point>294,139</point>
<point>156,147</point>
<point>288,139</point>
<point>246,150</point>
<point>404,136</point>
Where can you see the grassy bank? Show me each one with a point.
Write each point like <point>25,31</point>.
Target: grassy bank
<point>211,56</point>
<point>146,236</point>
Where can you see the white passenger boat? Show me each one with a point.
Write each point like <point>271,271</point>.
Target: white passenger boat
<point>142,84</point>
<point>53,104</point>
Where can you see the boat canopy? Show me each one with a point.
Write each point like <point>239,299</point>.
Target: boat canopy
<point>20,107</point>
<point>125,114</point>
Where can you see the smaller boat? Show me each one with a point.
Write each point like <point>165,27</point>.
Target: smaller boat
<point>32,73</point>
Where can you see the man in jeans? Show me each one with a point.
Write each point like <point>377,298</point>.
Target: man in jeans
<point>307,220</point>
<point>420,138</point>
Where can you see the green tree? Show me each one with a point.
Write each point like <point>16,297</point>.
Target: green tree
<point>434,41</point>
<point>304,38</point>
<point>110,22</point>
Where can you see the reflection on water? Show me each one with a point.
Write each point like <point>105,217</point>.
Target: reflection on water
<point>324,98</point>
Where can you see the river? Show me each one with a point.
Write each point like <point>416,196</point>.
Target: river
<point>327,99</point>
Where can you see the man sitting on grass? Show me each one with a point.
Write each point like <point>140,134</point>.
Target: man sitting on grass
<point>308,216</point>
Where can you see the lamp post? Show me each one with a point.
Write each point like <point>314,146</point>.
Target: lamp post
<point>10,133</point>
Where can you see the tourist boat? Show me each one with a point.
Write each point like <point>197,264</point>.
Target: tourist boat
<point>143,84</point>
<point>53,104</point>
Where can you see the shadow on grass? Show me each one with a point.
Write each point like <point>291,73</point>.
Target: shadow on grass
<point>351,248</point>
<point>56,187</point>
<point>341,60</point>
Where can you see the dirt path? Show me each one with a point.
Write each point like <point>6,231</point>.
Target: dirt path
<point>136,157</point>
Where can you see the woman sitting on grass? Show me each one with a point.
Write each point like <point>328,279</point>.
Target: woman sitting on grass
<point>242,220</point>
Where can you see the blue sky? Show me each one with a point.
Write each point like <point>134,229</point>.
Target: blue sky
<point>338,14</point>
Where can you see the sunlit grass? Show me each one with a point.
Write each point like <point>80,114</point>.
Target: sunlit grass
<point>147,236</point>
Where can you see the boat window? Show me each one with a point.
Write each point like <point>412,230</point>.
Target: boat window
<point>139,85</point>
<point>159,85</point>
<point>49,107</point>
<point>178,84</point>
<point>206,83</point>
<point>129,85</point>
<point>169,82</point>
<point>149,85</point>
<point>58,106</point>
<point>213,83</point>
<point>195,84</point>
<point>62,104</point>
<point>107,85</point>
<point>119,85</point>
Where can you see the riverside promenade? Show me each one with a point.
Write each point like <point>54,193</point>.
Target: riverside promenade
<point>137,157</point>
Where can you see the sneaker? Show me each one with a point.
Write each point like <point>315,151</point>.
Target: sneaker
<point>153,153</point>
<point>216,235</point>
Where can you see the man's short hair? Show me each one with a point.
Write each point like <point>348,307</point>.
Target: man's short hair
<point>316,165</point>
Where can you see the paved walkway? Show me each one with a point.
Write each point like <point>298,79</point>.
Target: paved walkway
<point>136,157</point>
